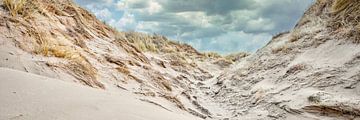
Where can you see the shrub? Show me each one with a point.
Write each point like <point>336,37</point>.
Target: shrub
<point>314,99</point>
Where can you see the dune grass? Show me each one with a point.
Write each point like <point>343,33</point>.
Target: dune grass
<point>212,55</point>
<point>15,6</point>
<point>340,5</point>
<point>45,44</point>
<point>346,14</point>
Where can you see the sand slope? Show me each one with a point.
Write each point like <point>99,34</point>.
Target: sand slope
<point>26,96</point>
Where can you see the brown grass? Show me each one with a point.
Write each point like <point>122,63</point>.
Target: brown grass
<point>212,55</point>
<point>43,43</point>
<point>296,35</point>
<point>141,41</point>
<point>123,70</point>
<point>175,100</point>
<point>84,72</point>
<point>223,62</point>
<point>346,14</point>
<point>236,56</point>
<point>296,68</point>
<point>282,49</point>
<point>15,6</point>
<point>340,5</point>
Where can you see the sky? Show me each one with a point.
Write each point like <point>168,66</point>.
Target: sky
<point>223,26</point>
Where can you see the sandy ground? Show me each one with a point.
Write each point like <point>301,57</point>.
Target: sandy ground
<point>26,96</point>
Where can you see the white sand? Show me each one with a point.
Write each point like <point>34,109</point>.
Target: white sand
<point>25,96</point>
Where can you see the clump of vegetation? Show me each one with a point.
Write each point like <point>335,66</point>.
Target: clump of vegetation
<point>174,100</point>
<point>23,13</point>
<point>21,7</point>
<point>296,35</point>
<point>223,62</point>
<point>212,55</point>
<point>236,56</point>
<point>340,5</point>
<point>15,6</point>
<point>296,68</point>
<point>283,49</point>
<point>123,70</point>
<point>346,13</point>
<point>314,99</point>
<point>142,42</point>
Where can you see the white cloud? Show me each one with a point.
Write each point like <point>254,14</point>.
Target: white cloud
<point>260,24</point>
<point>199,19</point>
<point>103,14</point>
<point>232,42</point>
<point>223,26</point>
<point>140,6</point>
<point>127,22</point>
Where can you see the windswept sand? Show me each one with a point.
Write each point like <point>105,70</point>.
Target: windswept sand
<point>25,96</point>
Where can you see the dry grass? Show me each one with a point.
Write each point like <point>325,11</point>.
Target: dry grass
<point>340,5</point>
<point>79,66</point>
<point>212,55</point>
<point>296,68</point>
<point>236,56</point>
<point>65,44</point>
<point>25,8</point>
<point>346,14</point>
<point>45,44</point>
<point>175,100</point>
<point>84,72</point>
<point>136,79</point>
<point>296,35</point>
<point>282,49</point>
<point>123,70</point>
<point>142,42</point>
<point>15,6</point>
<point>223,62</point>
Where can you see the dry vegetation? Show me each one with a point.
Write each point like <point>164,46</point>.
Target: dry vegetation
<point>212,55</point>
<point>141,41</point>
<point>24,13</point>
<point>346,13</point>
<point>296,35</point>
<point>15,6</point>
<point>296,68</point>
<point>281,49</point>
<point>236,56</point>
<point>175,100</point>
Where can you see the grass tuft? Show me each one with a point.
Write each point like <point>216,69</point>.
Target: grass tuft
<point>212,55</point>
<point>282,49</point>
<point>236,56</point>
<point>346,14</point>
<point>15,6</point>
<point>340,5</point>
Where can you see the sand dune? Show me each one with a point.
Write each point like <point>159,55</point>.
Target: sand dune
<point>26,96</point>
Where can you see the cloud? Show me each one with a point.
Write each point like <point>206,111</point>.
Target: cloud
<point>240,25</point>
<point>126,23</point>
<point>232,41</point>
